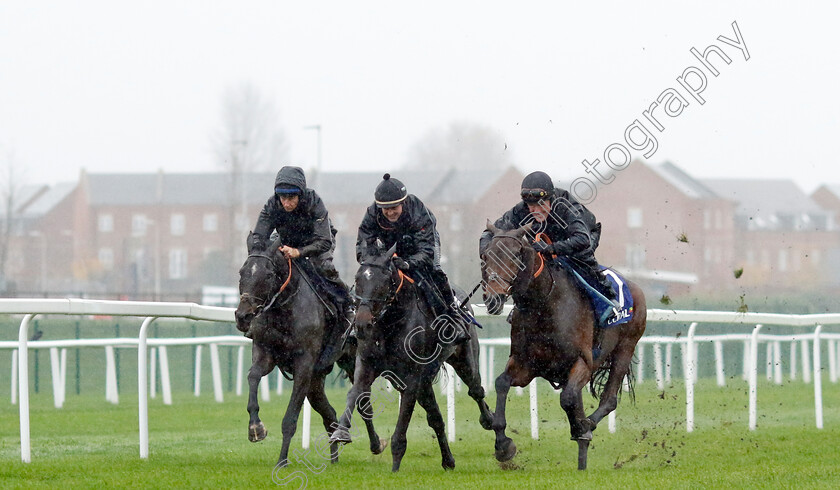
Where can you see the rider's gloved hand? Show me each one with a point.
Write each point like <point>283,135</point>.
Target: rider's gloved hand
<point>542,247</point>
<point>400,263</point>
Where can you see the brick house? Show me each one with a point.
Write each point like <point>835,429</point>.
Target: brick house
<point>785,240</point>
<point>160,235</point>
<point>665,229</point>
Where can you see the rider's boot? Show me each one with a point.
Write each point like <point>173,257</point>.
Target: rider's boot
<point>349,318</point>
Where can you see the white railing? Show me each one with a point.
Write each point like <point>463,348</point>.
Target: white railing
<point>151,311</point>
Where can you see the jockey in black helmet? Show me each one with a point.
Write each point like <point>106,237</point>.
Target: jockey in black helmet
<point>300,219</point>
<point>397,217</point>
<point>573,230</point>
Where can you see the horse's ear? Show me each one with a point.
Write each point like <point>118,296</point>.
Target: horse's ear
<point>274,249</point>
<point>522,231</point>
<point>249,242</point>
<point>492,228</point>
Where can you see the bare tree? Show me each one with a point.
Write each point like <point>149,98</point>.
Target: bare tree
<point>10,183</point>
<point>462,145</point>
<point>250,139</point>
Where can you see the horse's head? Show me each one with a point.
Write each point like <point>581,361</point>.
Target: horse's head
<point>501,263</point>
<point>376,283</point>
<point>260,278</point>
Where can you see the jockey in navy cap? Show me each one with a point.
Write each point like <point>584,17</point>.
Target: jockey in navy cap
<point>299,218</point>
<point>572,229</point>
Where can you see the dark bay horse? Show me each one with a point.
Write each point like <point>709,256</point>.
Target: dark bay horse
<point>291,329</point>
<point>553,335</point>
<point>400,338</point>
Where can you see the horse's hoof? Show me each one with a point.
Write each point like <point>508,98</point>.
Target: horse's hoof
<point>506,452</point>
<point>383,443</point>
<point>257,432</point>
<point>448,464</point>
<point>281,464</point>
<point>341,436</point>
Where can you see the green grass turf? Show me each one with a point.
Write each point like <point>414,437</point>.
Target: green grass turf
<point>199,443</point>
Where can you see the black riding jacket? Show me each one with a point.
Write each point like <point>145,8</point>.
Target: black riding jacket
<point>307,228</point>
<point>573,229</point>
<point>414,233</point>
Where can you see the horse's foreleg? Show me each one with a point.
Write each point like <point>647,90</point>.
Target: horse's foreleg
<point>619,367</point>
<point>435,420</point>
<point>572,402</point>
<point>364,377</point>
<point>303,378</point>
<point>321,404</point>
<point>377,444</point>
<point>261,364</point>
<point>465,362</point>
<point>505,448</point>
<point>398,440</point>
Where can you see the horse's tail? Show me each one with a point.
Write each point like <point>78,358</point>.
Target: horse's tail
<point>599,378</point>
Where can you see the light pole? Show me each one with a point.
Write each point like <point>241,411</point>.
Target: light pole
<point>316,127</point>
<point>156,225</point>
<point>43,280</point>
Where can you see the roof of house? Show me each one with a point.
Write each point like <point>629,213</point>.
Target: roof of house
<point>685,183</point>
<point>22,197</point>
<point>833,189</point>
<point>333,187</point>
<point>763,201</point>
<point>51,197</point>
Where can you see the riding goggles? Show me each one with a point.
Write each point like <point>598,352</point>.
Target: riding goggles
<point>534,195</point>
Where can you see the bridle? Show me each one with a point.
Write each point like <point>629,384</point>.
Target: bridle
<point>266,304</point>
<point>393,291</point>
<point>494,276</point>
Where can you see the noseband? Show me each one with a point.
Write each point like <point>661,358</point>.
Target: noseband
<point>268,304</point>
<point>393,291</point>
<point>494,276</point>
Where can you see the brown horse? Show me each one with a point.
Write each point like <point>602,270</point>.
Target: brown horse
<point>552,336</point>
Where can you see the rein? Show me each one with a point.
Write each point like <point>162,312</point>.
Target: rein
<point>403,277</point>
<point>265,306</point>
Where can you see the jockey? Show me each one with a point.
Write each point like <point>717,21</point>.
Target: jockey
<point>300,219</point>
<point>572,229</point>
<point>397,217</point>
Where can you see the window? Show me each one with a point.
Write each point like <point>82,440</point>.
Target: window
<point>718,219</point>
<point>106,258</point>
<point>750,257</point>
<point>783,260</point>
<point>106,223</point>
<point>242,222</point>
<point>139,224</point>
<point>177,224</point>
<point>815,256</point>
<point>339,221</point>
<point>635,256</point>
<point>177,263</point>
<point>634,217</point>
<point>211,222</point>
<point>707,219</point>
<point>456,222</point>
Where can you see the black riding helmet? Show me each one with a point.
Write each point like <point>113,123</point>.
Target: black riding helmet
<point>536,186</point>
<point>389,193</point>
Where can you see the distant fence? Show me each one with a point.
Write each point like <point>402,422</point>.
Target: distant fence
<point>811,326</point>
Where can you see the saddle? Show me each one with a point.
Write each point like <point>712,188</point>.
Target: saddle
<point>607,313</point>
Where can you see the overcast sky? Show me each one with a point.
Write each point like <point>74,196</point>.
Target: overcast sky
<point>136,86</point>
